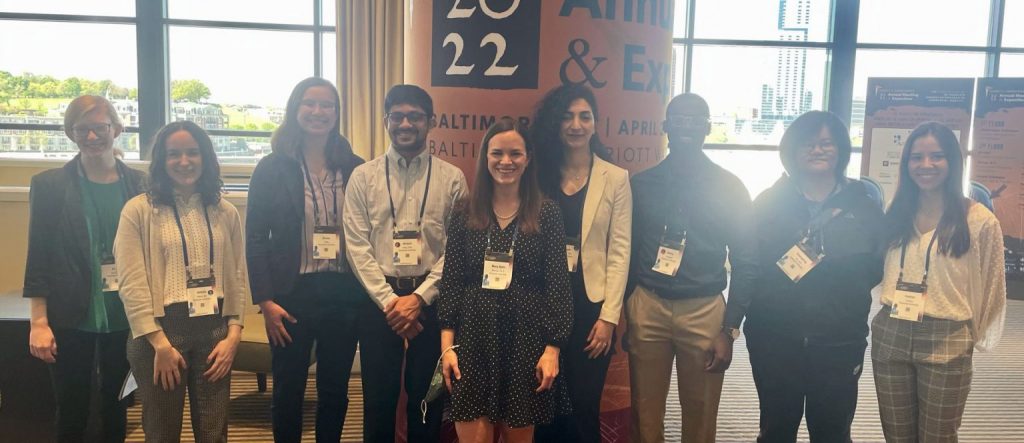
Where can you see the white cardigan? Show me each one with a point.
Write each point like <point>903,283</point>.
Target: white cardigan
<point>141,263</point>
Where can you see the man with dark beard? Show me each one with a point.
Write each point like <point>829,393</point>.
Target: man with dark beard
<point>397,209</point>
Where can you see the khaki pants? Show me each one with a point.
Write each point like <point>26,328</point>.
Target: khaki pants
<point>659,331</point>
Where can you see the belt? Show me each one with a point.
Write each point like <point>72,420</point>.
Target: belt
<point>405,285</point>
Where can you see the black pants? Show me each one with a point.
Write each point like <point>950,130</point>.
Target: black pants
<point>326,306</point>
<point>79,355</point>
<point>791,378</point>
<point>585,377</point>
<point>381,352</point>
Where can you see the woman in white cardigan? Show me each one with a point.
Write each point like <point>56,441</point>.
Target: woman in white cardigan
<point>184,299</point>
<point>597,205</point>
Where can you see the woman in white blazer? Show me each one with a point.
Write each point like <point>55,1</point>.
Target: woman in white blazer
<point>597,207</point>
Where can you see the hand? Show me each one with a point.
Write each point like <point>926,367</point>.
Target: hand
<point>223,355</point>
<point>41,343</point>
<point>599,342</point>
<point>402,312</point>
<point>450,368</point>
<point>547,368</point>
<point>412,330</point>
<point>273,316</point>
<point>719,356</point>
<point>167,366</point>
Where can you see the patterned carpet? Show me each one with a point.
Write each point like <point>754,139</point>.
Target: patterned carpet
<point>249,419</point>
<point>995,409</point>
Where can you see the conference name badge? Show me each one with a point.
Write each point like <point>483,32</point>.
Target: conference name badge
<point>572,253</point>
<point>202,297</point>
<point>108,274</point>
<point>670,256</point>
<point>326,242</point>
<point>408,248</point>
<point>908,301</point>
<point>497,271</point>
<point>798,261</point>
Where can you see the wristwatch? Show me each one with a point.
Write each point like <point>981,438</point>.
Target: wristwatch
<point>733,333</point>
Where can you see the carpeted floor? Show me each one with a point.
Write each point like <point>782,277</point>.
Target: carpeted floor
<point>995,409</point>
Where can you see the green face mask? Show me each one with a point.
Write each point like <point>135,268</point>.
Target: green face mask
<point>436,385</point>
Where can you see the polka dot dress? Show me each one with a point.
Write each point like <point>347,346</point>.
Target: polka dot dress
<point>502,334</point>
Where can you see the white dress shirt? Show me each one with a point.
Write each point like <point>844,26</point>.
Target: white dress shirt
<point>369,226</point>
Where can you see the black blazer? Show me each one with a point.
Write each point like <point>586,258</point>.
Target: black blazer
<point>59,265</point>
<point>273,223</point>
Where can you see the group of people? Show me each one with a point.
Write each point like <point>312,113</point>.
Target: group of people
<point>507,295</point>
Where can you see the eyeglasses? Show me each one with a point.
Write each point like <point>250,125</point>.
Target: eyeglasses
<point>326,106</point>
<point>83,131</point>
<point>415,117</point>
<point>687,120</point>
<point>825,145</point>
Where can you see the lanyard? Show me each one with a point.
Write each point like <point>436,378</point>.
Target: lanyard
<point>818,224</point>
<point>312,190</point>
<point>104,248</point>
<point>184,244</point>
<point>515,236</point>
<point>665,237</point>
<point>927,258</point>
<point>426,190</point>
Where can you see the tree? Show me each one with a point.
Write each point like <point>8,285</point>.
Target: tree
<point>189,90</point>
<point>71,87</point>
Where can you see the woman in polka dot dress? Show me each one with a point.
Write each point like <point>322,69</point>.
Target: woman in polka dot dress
<point>505,307</point>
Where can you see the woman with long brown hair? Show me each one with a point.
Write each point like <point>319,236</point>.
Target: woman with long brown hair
<point>505,308</point>
<point>296,257</point>
<point>943,292</point>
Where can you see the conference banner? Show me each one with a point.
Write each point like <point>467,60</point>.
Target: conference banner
<point>895,106</point>
<point>486,59</point>
<point>997,164</point>
<point>482,60</point>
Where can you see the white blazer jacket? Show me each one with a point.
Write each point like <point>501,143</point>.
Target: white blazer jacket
<point>605,235</point>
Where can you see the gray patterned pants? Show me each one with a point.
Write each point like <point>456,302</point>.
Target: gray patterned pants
<point>922,377</point>
<point>162,410</point>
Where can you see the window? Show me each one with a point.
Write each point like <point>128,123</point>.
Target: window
<point>794,20</point>
<point>112,8</point>
<point>761,63</point>
<point>754,106</point>
<point>254,11</point>
<point>230,65</point>
<point>39,77</point>
<point>925,22</point>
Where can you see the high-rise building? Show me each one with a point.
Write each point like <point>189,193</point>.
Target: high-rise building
<point>789,96</point>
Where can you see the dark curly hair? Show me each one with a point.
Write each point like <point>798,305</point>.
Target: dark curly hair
<point>545,133</point>
<point>161,186</point>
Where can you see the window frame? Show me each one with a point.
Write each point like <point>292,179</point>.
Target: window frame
<point>841,48</point>
<point>152,24</point>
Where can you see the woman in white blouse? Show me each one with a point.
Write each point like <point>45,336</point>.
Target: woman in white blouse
<point>181,260</point>
<point>943,293</point>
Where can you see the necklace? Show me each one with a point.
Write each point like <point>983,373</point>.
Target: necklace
<point>502,217</point>
<point>578,177</point>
